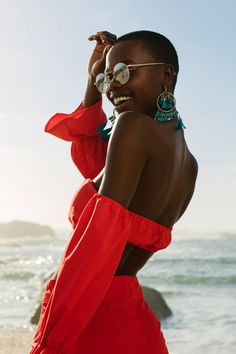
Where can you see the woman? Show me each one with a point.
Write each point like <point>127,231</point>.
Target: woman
<point>124,215</point>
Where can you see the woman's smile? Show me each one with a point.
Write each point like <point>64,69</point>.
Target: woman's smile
<point>121,99</point>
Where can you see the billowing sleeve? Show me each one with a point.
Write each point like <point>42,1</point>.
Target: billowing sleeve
<point>88,149</point>
<point>84,275</point>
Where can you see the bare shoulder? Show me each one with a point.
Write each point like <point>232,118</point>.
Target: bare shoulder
<point>134,126</point>
<point>136,118</point>
<point>194,165</point>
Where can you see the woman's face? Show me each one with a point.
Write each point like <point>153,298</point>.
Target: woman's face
<point>145,83</point>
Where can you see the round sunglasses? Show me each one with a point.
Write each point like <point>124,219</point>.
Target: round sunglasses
<point>121,74</point>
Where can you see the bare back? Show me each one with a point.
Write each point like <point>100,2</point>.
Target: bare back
<point>165,188</point>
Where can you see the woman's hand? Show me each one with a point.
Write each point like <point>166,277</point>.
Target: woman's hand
<point>104,41</point>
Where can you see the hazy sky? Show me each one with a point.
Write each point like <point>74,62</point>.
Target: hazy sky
<point>44,52</point>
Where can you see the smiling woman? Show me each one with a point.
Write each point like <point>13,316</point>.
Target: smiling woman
<point>139,179</point>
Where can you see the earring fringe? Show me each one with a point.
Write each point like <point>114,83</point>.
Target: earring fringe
<point>104,130</point>
<point>166,109</point>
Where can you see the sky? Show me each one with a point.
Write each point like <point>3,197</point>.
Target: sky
<point>43,70</point>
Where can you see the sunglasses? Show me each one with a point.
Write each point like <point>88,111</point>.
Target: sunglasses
<point>121,74</point>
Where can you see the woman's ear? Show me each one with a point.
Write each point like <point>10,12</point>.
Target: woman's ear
<point>168,75</point>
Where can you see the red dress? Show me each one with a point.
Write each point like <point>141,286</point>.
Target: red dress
<point>88,149</point>
<point>88,309</point>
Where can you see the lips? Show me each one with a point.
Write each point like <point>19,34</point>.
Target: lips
<point>121,99</point>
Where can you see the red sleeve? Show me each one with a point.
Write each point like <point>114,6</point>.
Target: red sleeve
<point>81,122</point>
<point>84,275</point>
<point>88,149</point>
<point>89,155</point>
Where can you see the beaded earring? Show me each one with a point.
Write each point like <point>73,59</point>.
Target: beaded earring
<point>104,130</point>
<point>166,109</point>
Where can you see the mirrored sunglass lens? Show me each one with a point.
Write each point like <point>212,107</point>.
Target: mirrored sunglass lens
<point>101,83</point>
<point>121,73</point>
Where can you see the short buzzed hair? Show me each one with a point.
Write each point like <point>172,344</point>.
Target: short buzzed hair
<point>159,47</point>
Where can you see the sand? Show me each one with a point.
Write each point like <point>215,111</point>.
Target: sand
<point>15,342</point>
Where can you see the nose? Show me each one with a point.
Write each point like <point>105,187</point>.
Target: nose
<point>113,84</point>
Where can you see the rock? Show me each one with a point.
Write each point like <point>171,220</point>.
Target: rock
<point>154,299</point>
<point>157,303</point>
<point>17,228</point>
<point>34,318</point>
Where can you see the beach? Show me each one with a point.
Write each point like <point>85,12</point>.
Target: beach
<point>15,342</point>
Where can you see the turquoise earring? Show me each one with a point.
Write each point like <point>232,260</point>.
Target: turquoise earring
<point>166,109</point>
<point>104,130</point>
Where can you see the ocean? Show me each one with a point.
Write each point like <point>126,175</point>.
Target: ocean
<point>196,275</point>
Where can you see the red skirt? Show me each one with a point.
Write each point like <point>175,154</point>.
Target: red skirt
<point>122,324</point>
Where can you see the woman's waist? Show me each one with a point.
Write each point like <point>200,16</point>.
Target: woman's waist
<point>126,272</point>
<point>122,288</point>
<point>132,260</point>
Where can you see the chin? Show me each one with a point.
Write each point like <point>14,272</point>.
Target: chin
<point>125,106</point>
<point>121,110</point>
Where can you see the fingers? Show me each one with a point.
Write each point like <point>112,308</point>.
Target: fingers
<point>105,51</point>
<point>104,34</point>
<point>103,37</point>
<point>107,48</point>
<point>99,65</point>
<point>107,35</point>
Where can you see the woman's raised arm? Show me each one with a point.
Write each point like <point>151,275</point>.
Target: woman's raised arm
<point>104,40</point>
<point>88,149</point>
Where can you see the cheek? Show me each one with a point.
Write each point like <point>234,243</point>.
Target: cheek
<point>146,102</point>
<point>147,96</point>
<point>149,90</point>
<point>151,84</point>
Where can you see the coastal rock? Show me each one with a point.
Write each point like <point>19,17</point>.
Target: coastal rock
<point>157,303</point>
<point>153,297</point>
<point>17,228</point>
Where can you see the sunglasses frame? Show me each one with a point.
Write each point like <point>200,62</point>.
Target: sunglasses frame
<point>127,66</point>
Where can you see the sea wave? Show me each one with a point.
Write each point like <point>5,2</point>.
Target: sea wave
<point>17,275</point>
<point>200,280</point>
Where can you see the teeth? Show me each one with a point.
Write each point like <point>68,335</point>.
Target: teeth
<point>117,100</point>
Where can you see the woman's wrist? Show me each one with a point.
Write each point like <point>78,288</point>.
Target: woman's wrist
<point>91,79</point>
<point>92,95</point>
<point>98,51</point>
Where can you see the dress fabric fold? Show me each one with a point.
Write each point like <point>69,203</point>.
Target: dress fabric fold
<point>123,323</point>
<point>88,149</point>
<point>87,269</point>
<point>85,273</point>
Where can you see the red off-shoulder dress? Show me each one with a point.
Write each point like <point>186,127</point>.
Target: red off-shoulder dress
<point>87,309</point>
